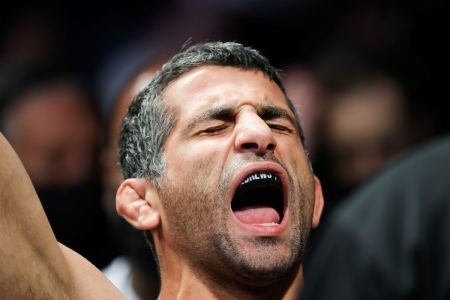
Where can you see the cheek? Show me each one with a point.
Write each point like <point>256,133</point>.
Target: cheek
<point>196,158</point>
<point>190,205</point>
<point>292,151</point>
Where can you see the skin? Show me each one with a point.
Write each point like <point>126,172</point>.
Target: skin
<point>223,133</point>
<point>33,264</point>
<point>111,174</point>
<point>143,280</point>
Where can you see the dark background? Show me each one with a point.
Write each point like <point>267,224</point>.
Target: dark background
<point>104,43</point>
<point>91,37</point>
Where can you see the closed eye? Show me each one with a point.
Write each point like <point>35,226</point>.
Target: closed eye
<point>214,129</point>
<point>281,128</point>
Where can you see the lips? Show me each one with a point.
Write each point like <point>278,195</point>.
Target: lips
<point>259,201</point>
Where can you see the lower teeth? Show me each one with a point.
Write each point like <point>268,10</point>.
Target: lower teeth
<point>267,224</point>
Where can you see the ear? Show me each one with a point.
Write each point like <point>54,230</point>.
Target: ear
<point>136,202</point>
<point>318,203</point>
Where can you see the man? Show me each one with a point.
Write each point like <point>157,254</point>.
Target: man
<point>134,272</point>
<point>212,152</point>
<point>390,240</point>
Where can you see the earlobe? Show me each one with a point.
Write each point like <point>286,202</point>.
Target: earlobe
<point>318,203</point>
<point>133,203</point>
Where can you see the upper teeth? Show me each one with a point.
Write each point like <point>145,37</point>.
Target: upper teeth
<point>258,176</point>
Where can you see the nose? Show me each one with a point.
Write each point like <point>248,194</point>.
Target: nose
<point>253,135</point>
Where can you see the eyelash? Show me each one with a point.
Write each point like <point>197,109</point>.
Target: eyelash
<point>214,129</point>
<point>279,127</point>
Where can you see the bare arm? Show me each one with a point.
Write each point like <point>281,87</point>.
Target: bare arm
<point>32,264</point>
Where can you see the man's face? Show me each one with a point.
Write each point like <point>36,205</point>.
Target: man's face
<point>55,134</point>
<point>237,192</point>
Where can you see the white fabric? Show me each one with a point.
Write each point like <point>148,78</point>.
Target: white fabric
<point>119,272</point>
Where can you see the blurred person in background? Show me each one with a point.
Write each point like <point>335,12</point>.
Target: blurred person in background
<point>134,272</point>
<point>373,111</point>
<point>371,114</point>
<point>52,123</point>
<point>391,238</point>
<point>227,134</point>
<point>364,127</point>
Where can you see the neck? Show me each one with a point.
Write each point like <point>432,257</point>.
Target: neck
<point>145,284</point>
<point>179,281</point>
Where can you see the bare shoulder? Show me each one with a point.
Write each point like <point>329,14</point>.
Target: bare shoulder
<point>89,282</point>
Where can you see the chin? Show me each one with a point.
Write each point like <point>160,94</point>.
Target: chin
<point>261,274</point>
<point>264,260</point>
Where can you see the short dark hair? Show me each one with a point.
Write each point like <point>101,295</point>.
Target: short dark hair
<point>149,121</point>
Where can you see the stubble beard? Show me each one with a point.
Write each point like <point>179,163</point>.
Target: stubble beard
<point>197,215</point>
<point>264,260</point>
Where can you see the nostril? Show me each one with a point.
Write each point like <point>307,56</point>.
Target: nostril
<point>254,146</point>
<point>249,146</point>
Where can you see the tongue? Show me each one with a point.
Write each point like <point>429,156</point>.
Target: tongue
<point>257,215</point>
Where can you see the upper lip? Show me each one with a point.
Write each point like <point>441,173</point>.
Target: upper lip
<point>261,166</point>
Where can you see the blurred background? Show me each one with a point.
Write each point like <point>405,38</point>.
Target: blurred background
<point>370,79</point>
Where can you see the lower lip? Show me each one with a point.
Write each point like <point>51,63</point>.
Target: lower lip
<point>262,230</point>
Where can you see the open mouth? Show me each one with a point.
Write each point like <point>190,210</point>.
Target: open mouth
<point>259,200</point>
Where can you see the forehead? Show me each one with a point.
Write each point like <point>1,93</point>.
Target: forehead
<point>208,86</point>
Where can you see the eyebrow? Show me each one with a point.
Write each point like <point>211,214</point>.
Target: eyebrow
<point>269,112</point>
<point>220,112</point>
